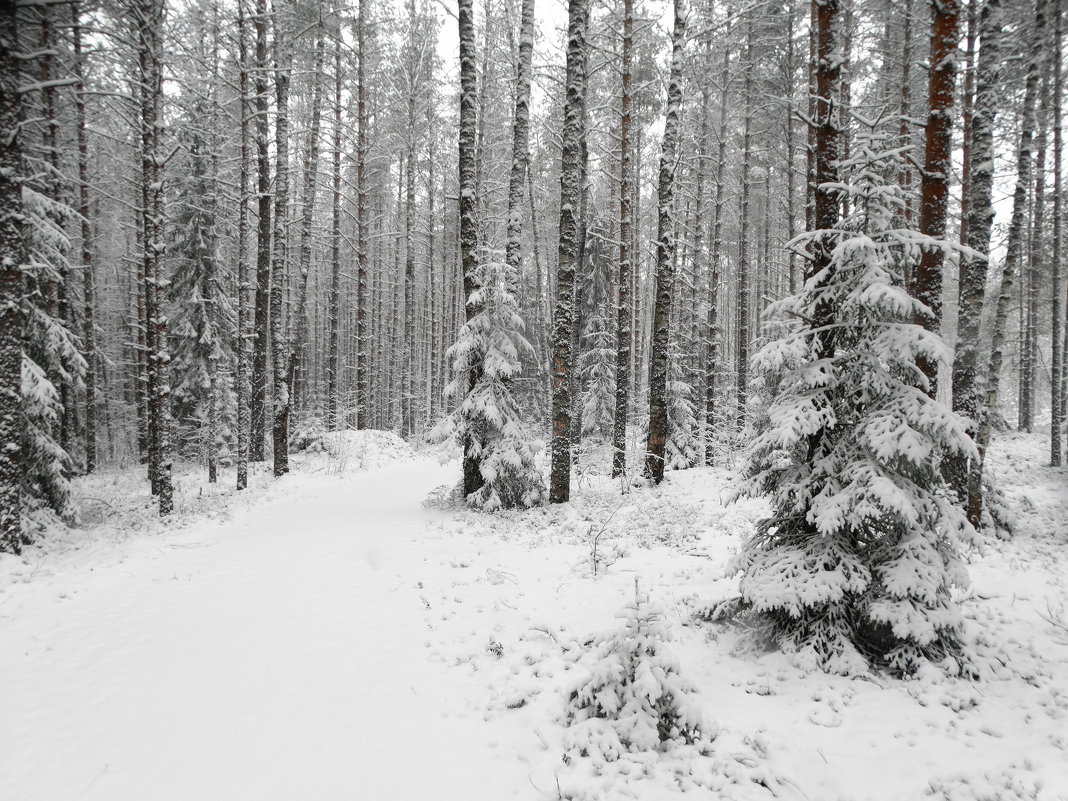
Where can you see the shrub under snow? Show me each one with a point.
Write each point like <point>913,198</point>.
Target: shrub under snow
<point>634,698</point>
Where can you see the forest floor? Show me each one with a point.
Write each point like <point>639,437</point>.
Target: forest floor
<point>337,635</point>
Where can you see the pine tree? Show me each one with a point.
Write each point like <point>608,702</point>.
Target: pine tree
<point>859,557</point>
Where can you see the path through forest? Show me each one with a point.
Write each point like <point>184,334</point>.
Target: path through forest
<point>280,654</point>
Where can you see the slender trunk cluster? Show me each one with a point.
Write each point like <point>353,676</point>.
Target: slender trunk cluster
<point>258,432</point>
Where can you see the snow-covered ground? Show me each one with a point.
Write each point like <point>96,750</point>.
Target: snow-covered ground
<point>338,635</point>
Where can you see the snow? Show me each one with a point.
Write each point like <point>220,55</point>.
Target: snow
<point>351,631</point>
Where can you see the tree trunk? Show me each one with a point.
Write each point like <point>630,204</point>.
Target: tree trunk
<point>149,18</point>
<point>472,475</point>
<point>665,256</point>
<point>12,257</point>
<point>88,285</point>
<point>362,314</point>
<point>570,200</point>
<point>967,387</point>
<point>333,374</point>
<point>241,384</point>
<point>742,351</point>
<point>1057,371</point>
<point>624,322</point>
<point>258,409</point>
<point>280,262</point>
<point>713,351</point>
<point>934,191</point>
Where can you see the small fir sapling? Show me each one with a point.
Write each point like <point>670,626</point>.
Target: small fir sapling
<point>634,698</point>
<point>856,564</point>
<point>487,420</point>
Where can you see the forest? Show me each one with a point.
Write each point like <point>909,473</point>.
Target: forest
<point>496,316</point>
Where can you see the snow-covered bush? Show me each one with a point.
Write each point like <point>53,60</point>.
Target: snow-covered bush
<point>487,424</point>
<point>634,698</point>
<point>857,561</point>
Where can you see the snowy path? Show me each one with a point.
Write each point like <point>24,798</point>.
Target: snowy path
<point>278,655</point>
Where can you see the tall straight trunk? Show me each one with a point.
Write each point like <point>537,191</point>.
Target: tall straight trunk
<point>1057,346</point>
<point>1036,260</point>
<point>828,138</point>
<point>149,19</point>
<point>624,320</point>
<point>88,280</point>
<point>742,350</point>
<point>665,257</point>
<point>362,313</point>
<point>333,373</point>
<point>258,407</point>
<point>241,338</point>
<point>696,228</point>
<point>967,384</point>
<point>791,110</point>
<point>905,111</point>
<point>570,200</point>
<point>810,150</point>
<point>298,333</point>
<point>472,475</point>
<point>279,262</point>
<point>1014,244</point>
<point>513,254</point>
<point>12,257</point>
<point>713,329</point>
<point>934,191</point>
<point>967,114</point>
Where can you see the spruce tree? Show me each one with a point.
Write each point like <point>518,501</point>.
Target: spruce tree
<point>862,549</point>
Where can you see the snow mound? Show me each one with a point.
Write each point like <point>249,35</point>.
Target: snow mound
<point>351,450</point>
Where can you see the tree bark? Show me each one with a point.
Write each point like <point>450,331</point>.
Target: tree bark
<point>362,313</point>
<point>570,200</point>
<point>934,191</point>
<point>472,475</point>
<point>12,257</point>
<point>149,20</point>
<point>88,278</point>
<point>258,407</point>
<point>623,304</point>
<point>333,372</point>
<point>1057,367</point>
<point>665,258</point>
<point>241,382</point>
<point>279,262</point>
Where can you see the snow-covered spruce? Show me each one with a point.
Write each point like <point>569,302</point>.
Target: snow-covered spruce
<point>50,358</point>
<point>856,563</point>
<point>634,699</point>
<point>597,372</point>
<point>203,402</point>
<point>487,422</point>
<point>680,451</point>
